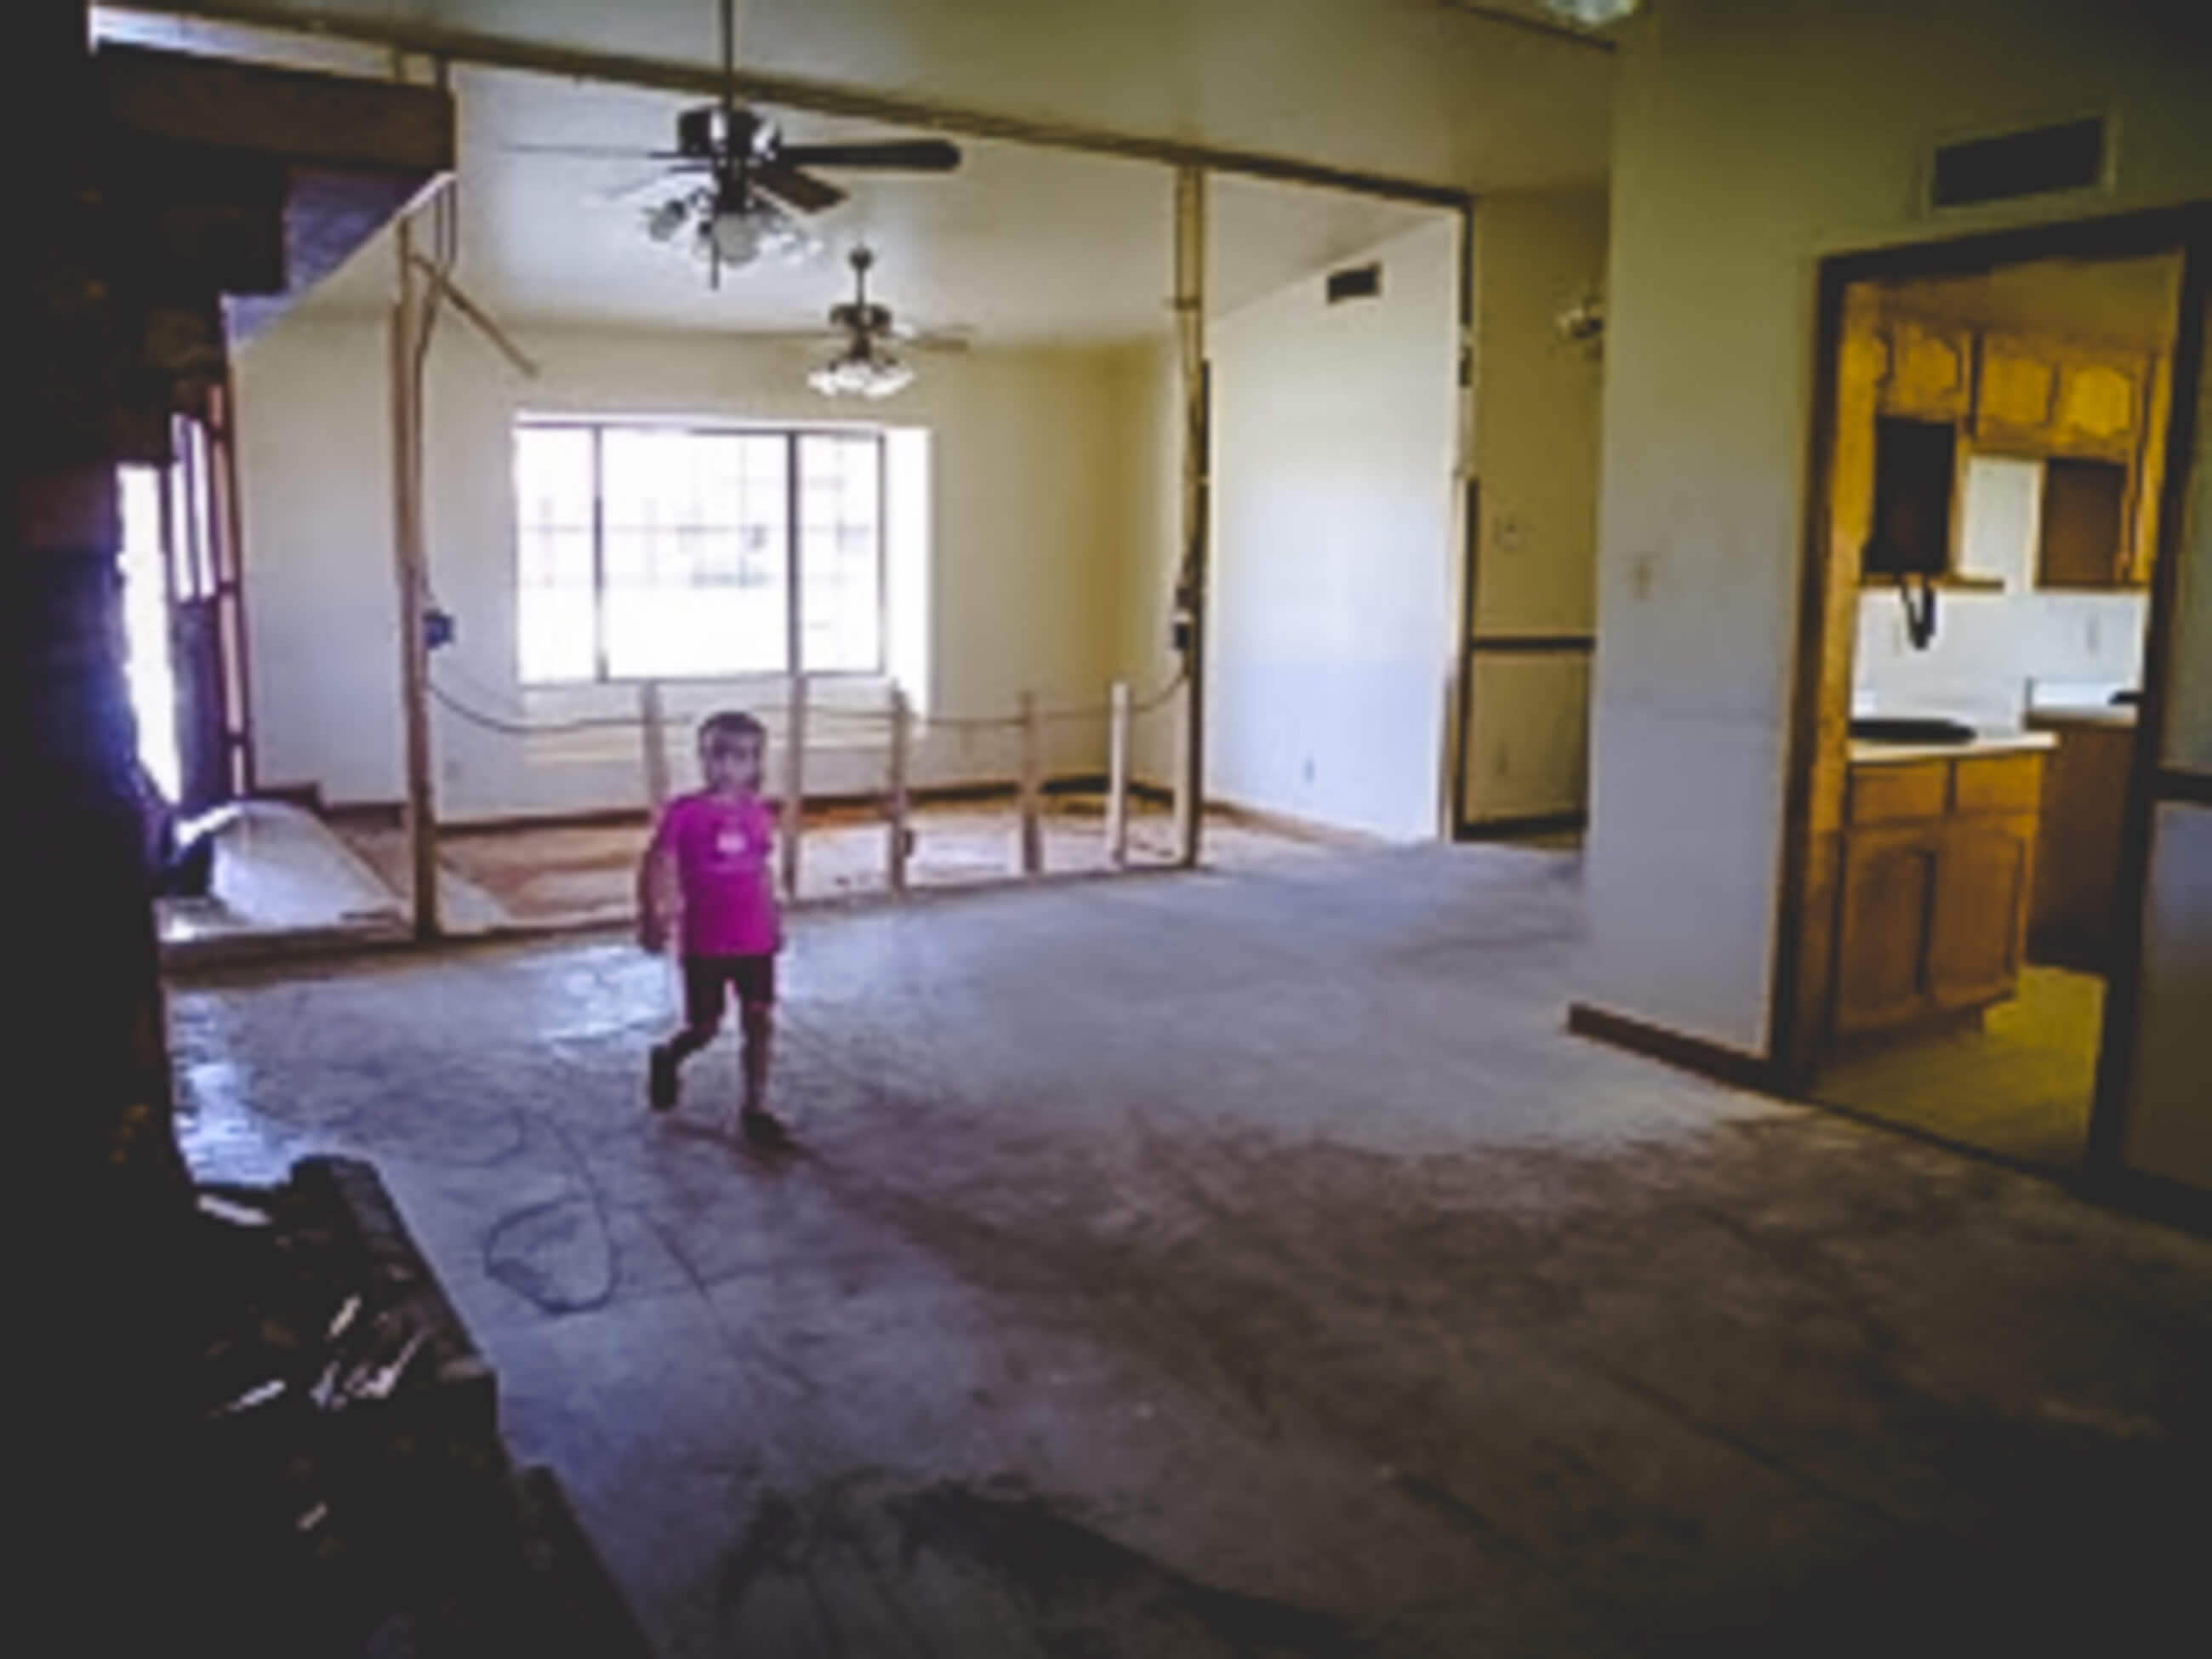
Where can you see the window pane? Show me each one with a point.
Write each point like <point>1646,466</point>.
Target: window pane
<point>840,549</point>
<point>693,552</point>
<point>554,633</point>
<point>553,601</point>
<point>553,477</point>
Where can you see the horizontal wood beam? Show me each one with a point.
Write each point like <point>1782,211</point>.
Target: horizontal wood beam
<point>300,117</point>
<point>441,42</point>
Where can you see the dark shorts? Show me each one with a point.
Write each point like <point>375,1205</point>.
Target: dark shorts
<point>708,981</point>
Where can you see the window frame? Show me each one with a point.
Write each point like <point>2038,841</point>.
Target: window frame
<point>792,433</point>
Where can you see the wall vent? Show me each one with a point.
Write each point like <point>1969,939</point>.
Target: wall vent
<point>2069,155</point>
<point>1355,283</point>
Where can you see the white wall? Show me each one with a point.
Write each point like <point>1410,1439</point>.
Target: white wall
<point>1026,461</point>
<point>1535,453</point>
<point>1332,623</point>
<point>1748,140</point>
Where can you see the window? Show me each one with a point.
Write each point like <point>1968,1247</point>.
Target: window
<point>663,551</point>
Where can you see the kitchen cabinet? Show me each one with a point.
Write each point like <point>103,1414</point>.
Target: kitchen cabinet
<point>1938,868</point>
<point>2015,392</point>
<point>2085,791</point>
<point>2102,396</point>
<point>1931,370</point>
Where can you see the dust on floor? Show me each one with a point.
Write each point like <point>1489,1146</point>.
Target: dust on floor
<point>1247,1264</point>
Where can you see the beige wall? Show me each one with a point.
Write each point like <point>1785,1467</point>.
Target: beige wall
<point>1331,628</point>
<point>1028,467</point>
<point>1749,140</point>
<point>1148,547</point>
<point>1535,456</point>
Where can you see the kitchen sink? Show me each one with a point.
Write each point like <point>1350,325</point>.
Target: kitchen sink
<point>1904,729</point>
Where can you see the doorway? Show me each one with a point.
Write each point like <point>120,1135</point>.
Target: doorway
<point>1997,435</point>
<point>184,616</point>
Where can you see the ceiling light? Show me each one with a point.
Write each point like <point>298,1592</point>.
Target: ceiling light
<point>756,228</point>
<point>1591,13</point>
<point>664,221</point>
<point>864,370</point>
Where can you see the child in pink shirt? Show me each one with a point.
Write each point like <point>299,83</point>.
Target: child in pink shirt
<point>721,840</point>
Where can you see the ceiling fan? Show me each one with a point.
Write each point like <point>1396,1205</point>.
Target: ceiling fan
<point>865,362</point>
<point>736,182</point>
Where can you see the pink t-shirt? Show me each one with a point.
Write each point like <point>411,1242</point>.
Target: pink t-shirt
<point>721,849</point>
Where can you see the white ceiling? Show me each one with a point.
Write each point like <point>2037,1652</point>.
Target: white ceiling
<point>1420,89</point>
<point>1022,245</point>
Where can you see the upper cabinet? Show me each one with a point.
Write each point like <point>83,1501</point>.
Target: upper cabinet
<point>2102,399</point>
<point>2050,397</point>
<point>2046,396</point>
<point>1931,371</point>
<point>2015,392</point>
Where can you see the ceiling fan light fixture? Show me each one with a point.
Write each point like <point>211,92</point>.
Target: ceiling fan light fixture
<point>1591,13</point>
<point>758,229</point>
<point>666,218</point>
<point>864,372</point>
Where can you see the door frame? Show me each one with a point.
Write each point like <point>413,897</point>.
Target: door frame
<point>1799,978</point>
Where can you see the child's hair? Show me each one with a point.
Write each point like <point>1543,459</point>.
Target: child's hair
<point>728,727</point>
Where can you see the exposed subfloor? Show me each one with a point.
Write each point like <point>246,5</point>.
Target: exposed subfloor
<point>1247,1264</point>
<point>2020,1084</point>
<point>570,873</point>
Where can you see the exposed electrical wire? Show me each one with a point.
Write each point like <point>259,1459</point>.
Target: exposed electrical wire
<point>507,726</point>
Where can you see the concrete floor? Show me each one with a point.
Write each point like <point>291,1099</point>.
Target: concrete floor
<point>1249,1265</point>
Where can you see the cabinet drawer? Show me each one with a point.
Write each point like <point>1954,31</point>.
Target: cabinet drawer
<point>2003,783</point>
<point>1890,793</point>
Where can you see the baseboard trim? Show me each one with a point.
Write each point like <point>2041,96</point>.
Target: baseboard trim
<point>1293,827</point>
<point>1531,823</point>
<point>1685,1052</point>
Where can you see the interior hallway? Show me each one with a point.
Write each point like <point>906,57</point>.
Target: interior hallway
<point>1247,1264</point>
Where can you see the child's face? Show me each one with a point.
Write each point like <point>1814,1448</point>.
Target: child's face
<point>732,763</point>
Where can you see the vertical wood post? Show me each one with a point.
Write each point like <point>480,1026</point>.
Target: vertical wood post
<point>653,718</point>
<point>1191,584</point>
<point>895,801</point>
<point>410,563</point>
<point>1117,778</point>
<point>1032,799</point>
<point>794,782</point>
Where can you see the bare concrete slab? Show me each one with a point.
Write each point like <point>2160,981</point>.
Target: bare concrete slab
<point>1248,1264</point>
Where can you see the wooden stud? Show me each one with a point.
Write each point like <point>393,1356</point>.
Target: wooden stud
<point>654,719</point>
<point>411,568</point>
<point>794,782</point>
<point>895,794</point>
<point>1117,778</point>
<point>1032,797</point>
<point>1191,584</point>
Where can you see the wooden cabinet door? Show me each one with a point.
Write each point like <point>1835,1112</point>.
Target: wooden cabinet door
<point>1931,371</point>
<point>2099,406</point>
<point>2016,391</point>
<point>1980,912</point>
<point>1888,895</point>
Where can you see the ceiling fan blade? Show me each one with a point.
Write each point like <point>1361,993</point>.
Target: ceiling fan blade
<point>936,340</point>
<point>779,178</point>
<point>913,155</point>
<point>597,152</point>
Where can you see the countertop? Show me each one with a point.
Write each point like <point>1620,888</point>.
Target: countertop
<point>1864,753</point>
